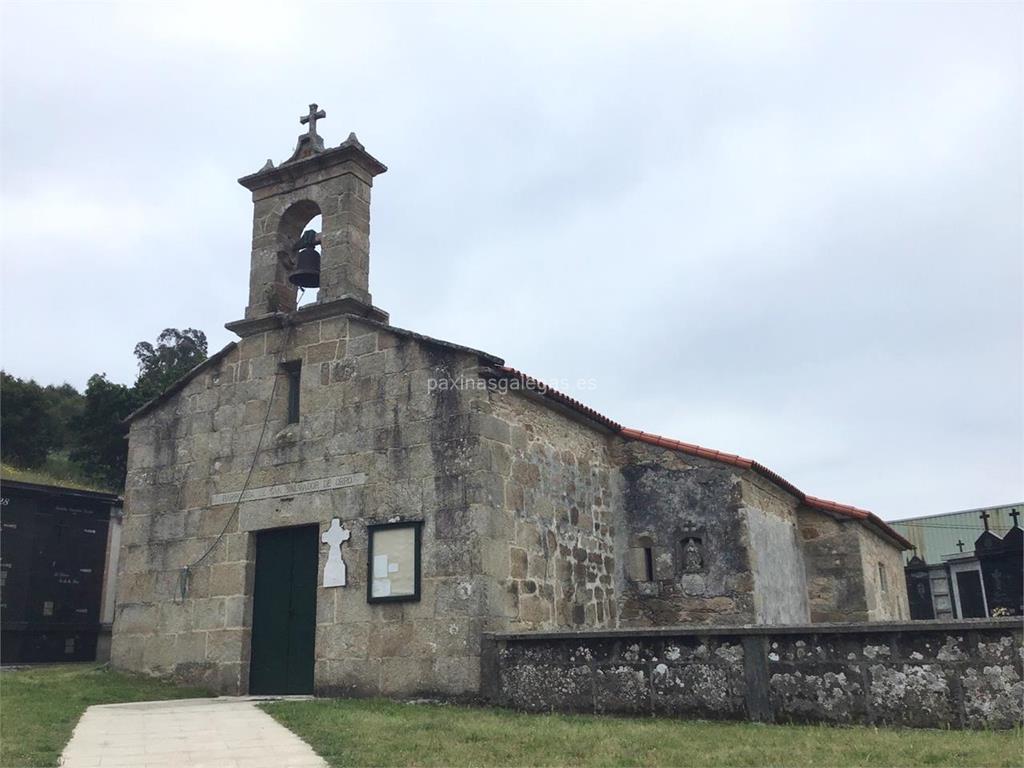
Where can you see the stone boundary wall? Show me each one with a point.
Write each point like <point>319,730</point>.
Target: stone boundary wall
<point>922,674</point>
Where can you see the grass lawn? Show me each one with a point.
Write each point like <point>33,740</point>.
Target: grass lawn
<point>383,733</point>
<point>39,706</point>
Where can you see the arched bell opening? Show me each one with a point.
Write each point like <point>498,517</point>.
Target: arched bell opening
<point>298,252</point>
<point>307,262</point>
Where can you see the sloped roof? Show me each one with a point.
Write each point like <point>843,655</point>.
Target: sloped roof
<point>63,489</point>
<point>41,478</point>
<point>823,505</point>
<point>283,319</point>
<point>553,395</point>
<point>936,536</point>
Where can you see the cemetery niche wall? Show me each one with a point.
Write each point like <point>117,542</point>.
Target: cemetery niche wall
<point>58,555</point>
<point>971,582</point>
<point>1002,569</point>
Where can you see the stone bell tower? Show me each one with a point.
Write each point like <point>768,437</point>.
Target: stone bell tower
<point>332,182</point>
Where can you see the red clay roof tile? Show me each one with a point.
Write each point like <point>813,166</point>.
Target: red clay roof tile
<point>814,502</point>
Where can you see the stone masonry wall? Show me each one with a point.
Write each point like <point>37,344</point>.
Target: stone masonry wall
<point>670,497</point>
<point>833,566</point>
<point>552,557</point>
<point>532,518</point>
<point>367,411</point>
<point>888,601</point>
<point>920,674</point>
<point>340,192</point>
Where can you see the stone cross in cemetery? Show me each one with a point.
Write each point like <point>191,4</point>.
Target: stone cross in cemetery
<point>1002,569</point>
<point>334,571</point>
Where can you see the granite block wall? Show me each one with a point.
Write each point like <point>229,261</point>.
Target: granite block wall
<point>885,586</point>
<point>369,414</point>
<point>556,497</point>
<point>533,518</point>
<point>833,566</point>
<point>671,501</point>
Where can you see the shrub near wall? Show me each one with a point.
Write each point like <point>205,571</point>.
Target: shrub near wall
<point>964,674</point>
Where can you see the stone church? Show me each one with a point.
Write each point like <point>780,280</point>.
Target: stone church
<point>333,504</point>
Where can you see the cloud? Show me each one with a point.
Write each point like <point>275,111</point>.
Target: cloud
<point>790,231</point>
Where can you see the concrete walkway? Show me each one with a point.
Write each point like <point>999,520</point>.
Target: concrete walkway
<point>189,733</point>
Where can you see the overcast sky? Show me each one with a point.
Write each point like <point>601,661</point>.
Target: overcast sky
<point>788,232</point>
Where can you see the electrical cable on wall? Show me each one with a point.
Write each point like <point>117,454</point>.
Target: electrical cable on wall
<point>185,572</point>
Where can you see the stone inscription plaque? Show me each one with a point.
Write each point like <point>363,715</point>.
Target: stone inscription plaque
<point>289,489</point>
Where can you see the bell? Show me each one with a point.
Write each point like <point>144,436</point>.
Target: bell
<point>307,269</point>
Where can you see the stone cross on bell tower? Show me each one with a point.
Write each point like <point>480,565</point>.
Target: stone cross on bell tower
<point>314,115</point>
<point>311,138</point>
<point>333,182</point>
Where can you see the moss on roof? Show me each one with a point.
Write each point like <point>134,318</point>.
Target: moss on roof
<point>43,477</point>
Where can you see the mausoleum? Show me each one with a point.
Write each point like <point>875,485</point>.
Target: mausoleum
<point>333,504</point>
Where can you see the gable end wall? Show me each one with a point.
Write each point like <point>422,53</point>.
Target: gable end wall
<point>367,411</point>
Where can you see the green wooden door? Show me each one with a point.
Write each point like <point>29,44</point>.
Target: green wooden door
<point>284,611</point>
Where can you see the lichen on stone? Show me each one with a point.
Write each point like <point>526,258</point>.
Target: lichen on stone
<point>951,650</point>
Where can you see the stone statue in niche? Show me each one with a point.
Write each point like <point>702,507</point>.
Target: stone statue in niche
<point>334,571</point>
<point>693,556</point>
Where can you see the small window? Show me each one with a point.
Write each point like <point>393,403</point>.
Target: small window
<point>69,645</point>
<point>293,371</point>
<point>394,562</point>
<point>883,581</point>
<point>648,564</point>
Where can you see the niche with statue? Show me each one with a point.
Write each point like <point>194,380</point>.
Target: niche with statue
<point>691,555</point>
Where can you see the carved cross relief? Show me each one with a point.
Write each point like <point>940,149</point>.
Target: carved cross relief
<point>335,571</point>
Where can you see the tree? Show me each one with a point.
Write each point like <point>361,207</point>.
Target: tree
<point>36,421</point>
<point>102,449</point>
<point>65,403</point>
<point>29,430</point>
<point>175,354</point>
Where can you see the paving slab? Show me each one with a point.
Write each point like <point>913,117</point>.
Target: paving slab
<point>226,732</point>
